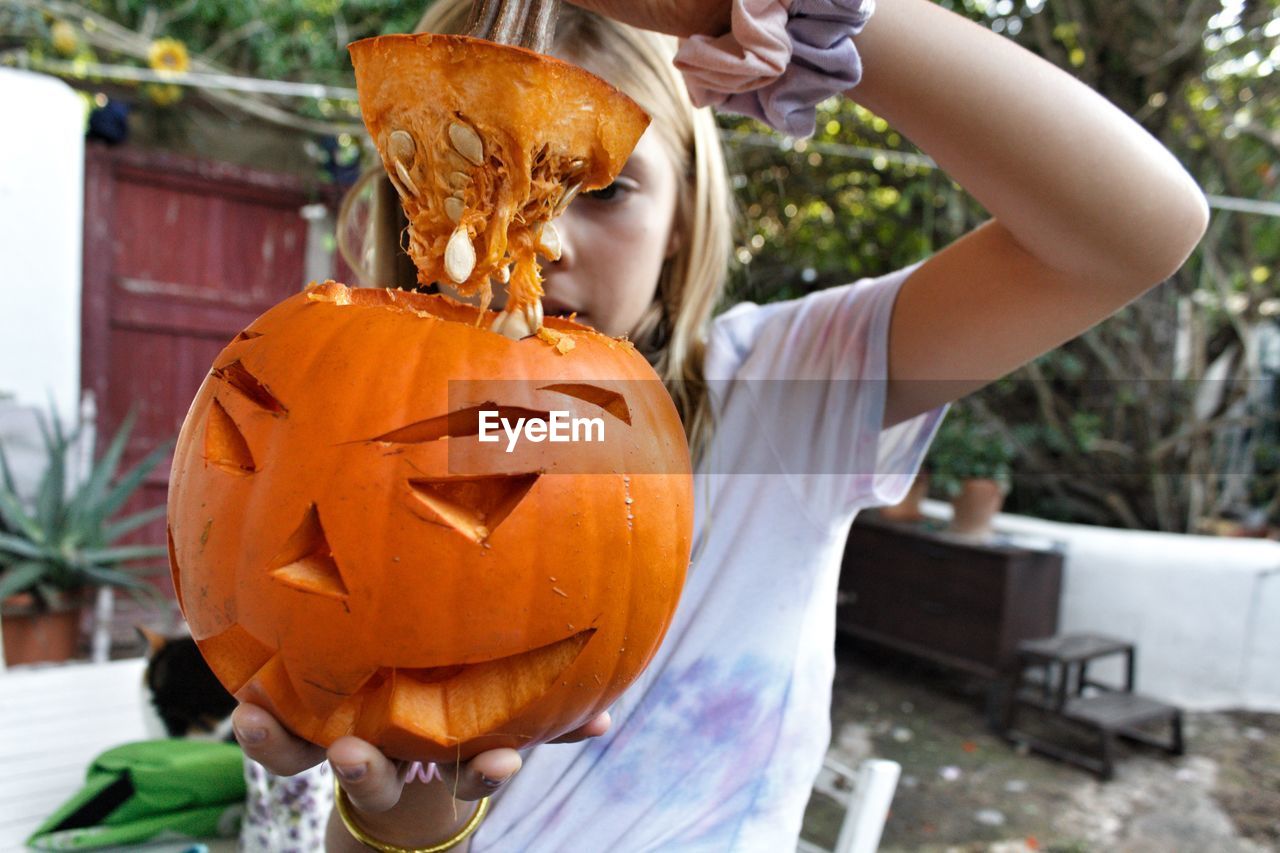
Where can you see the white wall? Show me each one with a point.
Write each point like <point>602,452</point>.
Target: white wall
<point>41,216</point>
<point>1204,611</point>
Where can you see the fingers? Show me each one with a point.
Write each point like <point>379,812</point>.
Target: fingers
<point>371,780</point>
<point>595,728</point>
<point>489,771</point>
<point>481,776</point>
<point>266,742</point>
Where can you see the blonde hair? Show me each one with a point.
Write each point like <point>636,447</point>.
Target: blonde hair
<point>672,332</point>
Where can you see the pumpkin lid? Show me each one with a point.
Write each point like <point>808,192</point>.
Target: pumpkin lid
<point>486,144</point>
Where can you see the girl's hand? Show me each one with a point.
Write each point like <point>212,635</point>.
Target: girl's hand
<point>682,18</point>
<point>376,783</point>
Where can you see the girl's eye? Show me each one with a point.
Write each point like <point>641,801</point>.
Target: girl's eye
<point>610,193</point>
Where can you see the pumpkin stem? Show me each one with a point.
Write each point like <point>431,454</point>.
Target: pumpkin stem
<point>540,26</point>
<point>523,23</point>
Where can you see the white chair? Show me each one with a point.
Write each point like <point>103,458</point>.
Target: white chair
<point>866,794</point>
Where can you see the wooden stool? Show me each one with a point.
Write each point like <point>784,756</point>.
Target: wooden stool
<point>1112,712</point>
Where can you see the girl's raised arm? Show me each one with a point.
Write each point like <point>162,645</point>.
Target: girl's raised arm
<point>1089,210</point>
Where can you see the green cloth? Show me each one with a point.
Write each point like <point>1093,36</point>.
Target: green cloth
<point>151,790</point>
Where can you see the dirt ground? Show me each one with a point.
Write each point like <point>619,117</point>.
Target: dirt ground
<point>965,789</point>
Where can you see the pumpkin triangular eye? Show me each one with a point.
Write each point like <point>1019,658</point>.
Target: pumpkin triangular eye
<point>306,561</point>
<point>224,443</point>
<point>473,506</point>
<point>238,377</point>
<point>609,400</point>
<point>458,424</point>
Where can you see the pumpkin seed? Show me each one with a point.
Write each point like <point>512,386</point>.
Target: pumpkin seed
<point>533,315</point>
<point>459,180</point>
<point>504,274</point>
<point>549,241</point>
<point>403,174</point>
<point>453,208</point>
<point>400,146</point>
<point>400,190</point>
<point>459,256</point>
<point>512,325</point>
<point>467,142</point>
<point>569,195</point>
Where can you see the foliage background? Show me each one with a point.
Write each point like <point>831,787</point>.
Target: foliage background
<point>1161,417</point>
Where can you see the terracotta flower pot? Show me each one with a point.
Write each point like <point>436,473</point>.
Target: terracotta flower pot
<point>908,509</point>
<point>32,635</point>
<point>975,507</point>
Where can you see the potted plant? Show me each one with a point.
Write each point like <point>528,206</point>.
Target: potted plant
<point>970,463</point>
<point>59,544</point>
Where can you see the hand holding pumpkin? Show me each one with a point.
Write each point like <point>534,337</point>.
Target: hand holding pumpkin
<point>375,783</point>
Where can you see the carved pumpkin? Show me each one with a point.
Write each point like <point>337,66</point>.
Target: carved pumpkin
<point>351,557</point>
<point>347,551</point>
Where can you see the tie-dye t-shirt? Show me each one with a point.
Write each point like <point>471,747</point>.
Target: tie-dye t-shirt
<point>717,745</point>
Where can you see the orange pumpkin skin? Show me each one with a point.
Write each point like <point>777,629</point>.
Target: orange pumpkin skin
<point>344,564</point>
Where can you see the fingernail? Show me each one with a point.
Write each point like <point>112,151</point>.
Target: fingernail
<point>251,735</point>
<point>491,783</point>
<point>354,773</point>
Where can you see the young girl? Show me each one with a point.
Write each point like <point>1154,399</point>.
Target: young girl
<point>717,745</point>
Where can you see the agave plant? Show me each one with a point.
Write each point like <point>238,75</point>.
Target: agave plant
<point>62,541</point>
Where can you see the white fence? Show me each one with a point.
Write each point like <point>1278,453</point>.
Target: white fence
<point>1204,611</point>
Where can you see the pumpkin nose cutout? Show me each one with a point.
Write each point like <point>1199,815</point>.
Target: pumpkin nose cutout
<point>306,561</point>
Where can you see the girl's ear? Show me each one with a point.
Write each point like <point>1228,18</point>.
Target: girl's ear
<point>674,243</point>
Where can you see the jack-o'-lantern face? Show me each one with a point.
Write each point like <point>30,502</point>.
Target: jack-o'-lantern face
<point>350,556</point>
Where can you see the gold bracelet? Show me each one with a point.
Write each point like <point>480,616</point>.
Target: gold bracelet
<point>343,805</point>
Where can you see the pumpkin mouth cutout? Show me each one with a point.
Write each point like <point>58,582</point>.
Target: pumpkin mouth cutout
<point>447,705</point>
<point>451,704</point>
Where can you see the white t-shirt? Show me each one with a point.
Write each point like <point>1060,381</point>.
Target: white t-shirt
<point>717,745</point>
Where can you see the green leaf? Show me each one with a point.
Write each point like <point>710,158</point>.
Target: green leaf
<point>89,497</point>
<point>22,547</point>
<point>6,474</point>
<point>122,554</point>
<point>16,518</point>
<point>113,577</point>
<point>21,577</point>
<point>129,483</point>
<point>130,523</point>
<point>50,497</point>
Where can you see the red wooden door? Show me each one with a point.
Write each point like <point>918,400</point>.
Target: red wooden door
<point>180,255</point>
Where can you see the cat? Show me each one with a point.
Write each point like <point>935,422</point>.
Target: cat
<point>181,695</point>
<point>183,698</point>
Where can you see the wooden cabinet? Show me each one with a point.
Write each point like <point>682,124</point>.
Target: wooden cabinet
<point>960,603</point>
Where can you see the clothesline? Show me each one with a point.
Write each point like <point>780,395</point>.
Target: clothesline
<point>285,88</point>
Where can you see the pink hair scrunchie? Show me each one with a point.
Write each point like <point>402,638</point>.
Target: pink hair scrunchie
<point>778,61</point>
